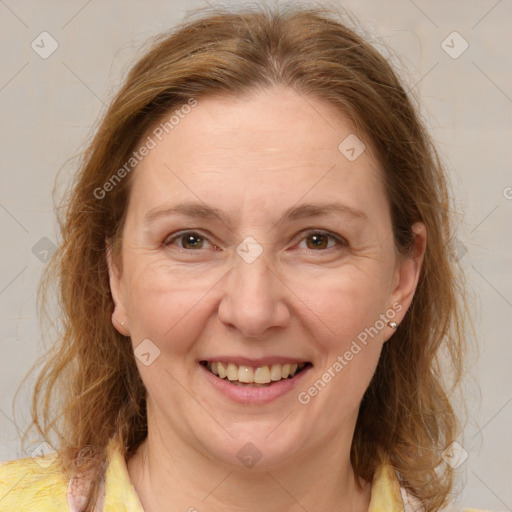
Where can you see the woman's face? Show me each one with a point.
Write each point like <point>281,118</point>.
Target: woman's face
<point>282,259</point>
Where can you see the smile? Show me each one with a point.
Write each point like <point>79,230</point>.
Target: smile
<point>260,376</point>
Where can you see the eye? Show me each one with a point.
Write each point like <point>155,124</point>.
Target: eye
<point>190,240</point>
<point>319,240</point>
<point>315,240</point>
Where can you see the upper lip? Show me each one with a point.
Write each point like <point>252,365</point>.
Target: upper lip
<point>260,361</point>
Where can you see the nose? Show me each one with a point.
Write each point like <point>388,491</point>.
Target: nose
<point>254,298</point>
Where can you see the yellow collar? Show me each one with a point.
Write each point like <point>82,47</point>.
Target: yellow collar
<point>121,496</point>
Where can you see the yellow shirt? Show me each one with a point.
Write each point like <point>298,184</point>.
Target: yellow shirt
<point>37,485</point>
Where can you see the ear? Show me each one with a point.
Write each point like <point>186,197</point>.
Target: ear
<point>408,272</point>
<point>119,316</point>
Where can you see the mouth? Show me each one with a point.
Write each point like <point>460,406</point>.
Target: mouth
<point>254,376</point>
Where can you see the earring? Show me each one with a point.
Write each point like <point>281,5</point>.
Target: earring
<point>122,323</point>
<point>393,325</point>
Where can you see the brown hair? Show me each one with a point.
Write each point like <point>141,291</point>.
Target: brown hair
<point>90,375</point>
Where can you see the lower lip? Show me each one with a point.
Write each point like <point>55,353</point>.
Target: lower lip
<point>257,395</point>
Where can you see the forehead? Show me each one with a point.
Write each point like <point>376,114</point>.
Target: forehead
<point>264,148</point>
<point>264,124</point>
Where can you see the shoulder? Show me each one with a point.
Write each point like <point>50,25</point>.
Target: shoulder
<point>32,484</point>
<point>412,504</point>
<point>389,493</point>
<point>38,484</point>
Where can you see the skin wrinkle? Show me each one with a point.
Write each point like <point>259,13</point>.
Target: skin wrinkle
<point>290,301</point>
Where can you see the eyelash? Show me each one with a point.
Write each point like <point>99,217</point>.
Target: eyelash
<point>340,240</point>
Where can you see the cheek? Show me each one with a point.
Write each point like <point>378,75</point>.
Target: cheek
<point>349,342</point>
<point>341,312</point>
<point>345,303</point>
<point>348,312</point>
<point>164,305</point>
<point>171,304</point>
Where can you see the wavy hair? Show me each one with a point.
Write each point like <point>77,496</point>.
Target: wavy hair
<point>89,390</point>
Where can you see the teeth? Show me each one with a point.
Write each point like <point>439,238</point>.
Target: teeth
<point>249,375</point>
<point>262,375</point>
<point>275,372</point>
<point>232,372</point>
<point>245,374</point>
<point>222,370</point>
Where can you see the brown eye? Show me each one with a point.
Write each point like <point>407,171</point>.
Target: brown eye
<point>192,241</point>
<point>319,241</point>
<point>187,240</point>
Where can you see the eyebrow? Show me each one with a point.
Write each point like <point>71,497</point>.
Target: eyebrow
<point>202,211</point>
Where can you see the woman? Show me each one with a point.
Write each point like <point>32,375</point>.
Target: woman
<point>255,285</point>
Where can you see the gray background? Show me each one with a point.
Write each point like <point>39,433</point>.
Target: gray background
<point>49,108</point>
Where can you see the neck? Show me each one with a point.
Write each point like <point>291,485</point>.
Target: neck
<point>170,475</point>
